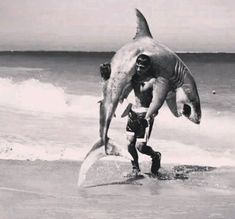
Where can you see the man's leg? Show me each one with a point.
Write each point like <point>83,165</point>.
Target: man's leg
<point>141,144</point>
<point>156,156</point>
<point>131,126</point>
<point>132,150</point>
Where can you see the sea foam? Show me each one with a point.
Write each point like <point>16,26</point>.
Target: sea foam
<point>212,141</point>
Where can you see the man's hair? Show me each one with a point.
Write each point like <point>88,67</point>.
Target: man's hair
<point>143,60</point>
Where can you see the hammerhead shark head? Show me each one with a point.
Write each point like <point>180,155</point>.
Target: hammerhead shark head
<point>174,83</point>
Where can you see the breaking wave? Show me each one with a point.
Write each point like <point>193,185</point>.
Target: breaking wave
<point>211,142</point>
<point>33,95</point>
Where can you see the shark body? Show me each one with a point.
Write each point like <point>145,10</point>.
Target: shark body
<point>174,83</point>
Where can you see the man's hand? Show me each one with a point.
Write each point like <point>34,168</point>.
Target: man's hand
<point>144,122</point>
<point>105,71</point>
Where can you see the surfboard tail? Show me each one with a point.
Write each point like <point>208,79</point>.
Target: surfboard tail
<point>96,153</point>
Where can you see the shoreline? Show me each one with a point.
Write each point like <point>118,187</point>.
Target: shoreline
<point>42,189</point>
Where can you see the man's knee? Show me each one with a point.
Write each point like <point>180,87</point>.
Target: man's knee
<point>140,146</point>
<point>130,136</point>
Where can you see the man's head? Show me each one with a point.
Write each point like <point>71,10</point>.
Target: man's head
<point>143,64</point>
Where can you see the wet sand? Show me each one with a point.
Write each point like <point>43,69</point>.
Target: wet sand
<point>43,189</point>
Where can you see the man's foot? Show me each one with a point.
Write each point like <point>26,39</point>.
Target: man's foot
<point>134,173</point>
<point>156,163</point>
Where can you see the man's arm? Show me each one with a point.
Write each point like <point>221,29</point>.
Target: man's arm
<point>126,91</point>
<point>145,85</point>
<point>161,88</point>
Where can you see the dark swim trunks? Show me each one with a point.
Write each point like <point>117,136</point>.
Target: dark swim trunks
<point>138,126</point>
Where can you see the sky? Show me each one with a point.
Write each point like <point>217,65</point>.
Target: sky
<point>106,25</point>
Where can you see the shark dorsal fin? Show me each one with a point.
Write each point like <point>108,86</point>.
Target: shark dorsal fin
<point>142,26</point>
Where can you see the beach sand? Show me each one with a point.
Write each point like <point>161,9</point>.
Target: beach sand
<point>47,189</point>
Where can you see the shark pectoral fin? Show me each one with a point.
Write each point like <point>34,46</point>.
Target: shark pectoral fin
<point>116,150</point>
<point>96,153</point>
<point>171,102</point>
<point>160,90</point>
<point>127,110</point>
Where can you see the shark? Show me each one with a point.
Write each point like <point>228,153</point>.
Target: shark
<point>173,83</point>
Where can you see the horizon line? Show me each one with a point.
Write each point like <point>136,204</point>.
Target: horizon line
<point>86,51</point>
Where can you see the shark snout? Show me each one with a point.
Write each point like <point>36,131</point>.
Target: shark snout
<point>195,120</point>
<point>192,112</point>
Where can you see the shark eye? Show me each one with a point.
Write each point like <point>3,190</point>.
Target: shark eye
<point>187,110</point>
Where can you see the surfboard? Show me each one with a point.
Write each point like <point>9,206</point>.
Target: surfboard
<point>179,172</point>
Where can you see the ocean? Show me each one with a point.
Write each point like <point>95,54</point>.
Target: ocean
<point>49,109</point>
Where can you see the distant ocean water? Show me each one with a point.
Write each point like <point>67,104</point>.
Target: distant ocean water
<point>49,110</point>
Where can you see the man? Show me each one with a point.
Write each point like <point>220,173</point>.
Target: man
<point>138,129</point>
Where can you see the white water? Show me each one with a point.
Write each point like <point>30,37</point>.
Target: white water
<point>210,143</point>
